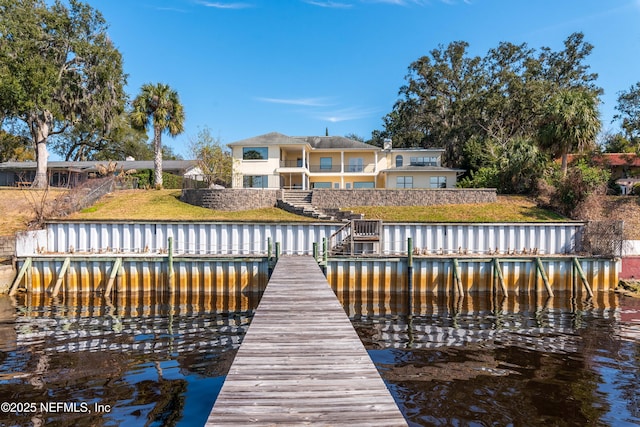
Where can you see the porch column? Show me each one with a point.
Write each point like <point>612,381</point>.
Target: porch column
<point>342,162</point>
<point>304,158</point>
<point>304,182</point>
<point>375,159</point>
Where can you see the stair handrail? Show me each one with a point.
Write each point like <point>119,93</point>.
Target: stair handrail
<point>366,227</point>
<point>339,236</point>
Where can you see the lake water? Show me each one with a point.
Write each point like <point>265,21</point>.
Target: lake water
<point>476,361</point>
<point>519,361</point>
<point>115,364</point>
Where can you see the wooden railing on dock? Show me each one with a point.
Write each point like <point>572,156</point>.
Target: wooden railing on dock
<point>302,362</point>
<point>343,240</point>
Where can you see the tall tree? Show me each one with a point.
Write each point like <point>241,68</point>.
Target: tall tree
<point>84,142</point>
<point>452,99</point>
<point>58,68</point>
<point>629,112</point>
<point>571,122</point>
<point>158,107</point>
<point>436,102</point>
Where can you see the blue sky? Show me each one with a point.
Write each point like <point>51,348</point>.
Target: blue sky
<point>247,67</point>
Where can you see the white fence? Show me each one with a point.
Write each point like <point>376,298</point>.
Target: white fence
<point>208,238</point>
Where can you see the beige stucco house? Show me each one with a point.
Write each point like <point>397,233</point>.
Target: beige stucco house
<point>277,161</point>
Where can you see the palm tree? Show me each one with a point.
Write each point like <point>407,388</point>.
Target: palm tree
<point>571,122</point>
<point>158,106</point>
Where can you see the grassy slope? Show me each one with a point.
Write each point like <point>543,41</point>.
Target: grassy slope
<point>165,205</point>
<point>18,206</point>
<point>16,209</point>
<point>506,209</point>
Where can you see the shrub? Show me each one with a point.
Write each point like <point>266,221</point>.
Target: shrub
<point>573,190</point>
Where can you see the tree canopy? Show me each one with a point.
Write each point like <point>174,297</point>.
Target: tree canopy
<point>481,108</point>
<point>451,97</point>
<point>58,68</point>
<point>158,107</point>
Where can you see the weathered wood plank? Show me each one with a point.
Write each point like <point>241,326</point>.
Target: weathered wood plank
<point>302,362</point>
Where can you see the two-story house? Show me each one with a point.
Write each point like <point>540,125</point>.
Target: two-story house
<point>276,161</point>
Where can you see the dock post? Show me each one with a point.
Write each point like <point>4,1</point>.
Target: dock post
<point>456,276</point>
<point>170,261</point>
<point>325,256</point>
<point>315,251</point>
<point>498,272</point>
<point>410,265</point>
<point>23,270</point>
<point>583,277</point>
<point>61,273</point>
<point>545,279</point>
<point>277,251</point>
<point>112,277</point>
<point>269,256</point>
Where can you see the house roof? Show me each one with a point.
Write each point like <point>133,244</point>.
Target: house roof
<point>315,142</point>
<point>612,159</point>
<point>335,142</point>
<point>90,166</point>
<point>272,138</point>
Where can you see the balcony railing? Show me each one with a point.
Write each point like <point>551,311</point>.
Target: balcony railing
<point>370,168</point>
<point>324,168</point>
<point>290,163</point>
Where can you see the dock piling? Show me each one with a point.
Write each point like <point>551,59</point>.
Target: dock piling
<point>583,277</point>
<point>61,273</point>
<point>170,261</point>
<point>543,274</point>
<point>23,270</point>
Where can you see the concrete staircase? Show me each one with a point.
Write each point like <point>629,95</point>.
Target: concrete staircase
<point>299,202</point>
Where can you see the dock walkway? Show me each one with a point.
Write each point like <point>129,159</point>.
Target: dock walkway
<point>301,361</point>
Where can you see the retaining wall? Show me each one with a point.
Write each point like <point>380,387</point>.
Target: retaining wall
<point>7,246</point>
<point>230,199</point>
<point>217,238</point>
<point>326,198</point>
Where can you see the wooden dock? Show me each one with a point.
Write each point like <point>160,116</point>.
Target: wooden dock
<point>301,361</point>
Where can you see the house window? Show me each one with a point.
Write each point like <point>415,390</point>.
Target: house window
<point>325,163</point>
<point>438,182</point>
<point>255,153</point>
<point>398,161</point>
<point>363,185</point>
<point>404,182</point>
<point>356,164</point>
<point>255,181</point>
<point>321,185</point>
<point>424,161</point>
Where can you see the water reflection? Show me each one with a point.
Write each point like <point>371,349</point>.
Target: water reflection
<point>522,360</point>
<point>146,360</point>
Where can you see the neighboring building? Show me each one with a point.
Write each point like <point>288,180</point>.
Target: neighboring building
<point>624,168</point>
<point>276,161</point>
<point>70,174</point>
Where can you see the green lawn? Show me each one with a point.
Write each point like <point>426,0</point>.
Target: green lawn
<point>165,205</point>
<point>506,209</point>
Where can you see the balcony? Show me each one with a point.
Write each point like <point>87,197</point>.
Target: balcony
<point>291,163</point>
<point>370,168</point>
<point>324,168</point>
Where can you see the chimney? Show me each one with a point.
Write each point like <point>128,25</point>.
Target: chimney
<point>388,144</point>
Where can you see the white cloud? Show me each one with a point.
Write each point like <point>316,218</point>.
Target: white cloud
<point>221,5</point>
<point>346,114</point>
<point>329,4</point>
<point>305,102</point>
